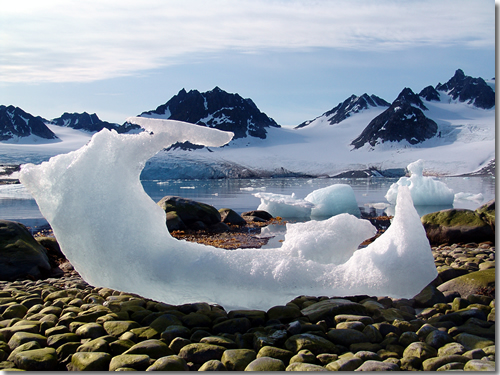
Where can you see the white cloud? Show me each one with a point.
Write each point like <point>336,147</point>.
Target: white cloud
<point>89,40</point>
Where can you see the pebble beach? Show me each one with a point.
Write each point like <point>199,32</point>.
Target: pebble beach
<point>63,323</point>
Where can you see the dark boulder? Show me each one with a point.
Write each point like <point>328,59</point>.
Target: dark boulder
<point>456,226</point>
<point>193,214</point>
<point>20,254</point>
<point>230,216</point>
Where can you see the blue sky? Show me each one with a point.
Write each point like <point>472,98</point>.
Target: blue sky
<point>295,59</point>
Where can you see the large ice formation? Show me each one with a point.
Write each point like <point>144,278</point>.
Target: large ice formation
<point>321,203</point>
<point>287,206</point>
<point>425,191</point>
<point>333,200</point>
<point>116,237</point>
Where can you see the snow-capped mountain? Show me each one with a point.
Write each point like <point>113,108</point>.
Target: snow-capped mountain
<point>403,120</point>
<point>83,121</point>
<point>16,124</point>
<point>451,127</point>
<point>216,109</point>
<point>353,104</point>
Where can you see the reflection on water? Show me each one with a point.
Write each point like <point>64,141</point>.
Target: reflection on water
<point>237,194</point>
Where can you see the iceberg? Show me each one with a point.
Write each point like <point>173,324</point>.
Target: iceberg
<point>115,235</point>
<point>333,200</point>
<point>425,191</point>
<point>283,205</point>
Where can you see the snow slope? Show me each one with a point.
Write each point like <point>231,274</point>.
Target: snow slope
<point>465,143</point>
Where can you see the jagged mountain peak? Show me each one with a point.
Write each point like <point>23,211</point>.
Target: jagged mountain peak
<point>14,122</point>
<point>353,104</point>
<point>407,96</point>
<point>217,109</point>
<point>465,88</point>
<point>83,121</point>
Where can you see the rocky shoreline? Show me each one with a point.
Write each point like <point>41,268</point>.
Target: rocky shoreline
<point>64,323</point>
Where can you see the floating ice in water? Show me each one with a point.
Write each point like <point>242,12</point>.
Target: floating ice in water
<point>283,205</point>
<point>333,200</point>
<point>425,191</point>
<point>116,237</point>
<point>469,197</point>
<point>378,206</point>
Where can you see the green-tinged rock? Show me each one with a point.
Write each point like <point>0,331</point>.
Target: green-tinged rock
<point>315,344</point>
<point>20,253</point>
<point>14,311</point>
<point>65,350</point>
<point>432,364</point>
<point>284,314</point>
<point>478,365</point>
<point>220,341</point>
<point>420,350</point>
<point>200,353</point>
<point>139,362</point>
<point>20,338</point>
<point>277,353</point>
<point>153,348</point>
<point>169,363</point>
<point>96,345</point>
<point>437,339</point>
<point>411,363</point>
<point>91,331</point>
<point>212,365</point>
<point>327,310</point>
<point>237,359</point>
<point>56,341</point>
<point>472,341</point>
<point>31,345</point>
<point>470,283</point>
<point>300,366</point>
<point>452,348</point>
<point>487,213</point>
<point>429,296</point>
<point>8,332</point>
<point>378,366</point>
<point>44,359</point>
<point>190,211</point>
<point>118,327</point>
<point>89,361</point>
<point>456,226</point>
<point>303,356</point>
<point>345,364</point>
<point>266,364</point>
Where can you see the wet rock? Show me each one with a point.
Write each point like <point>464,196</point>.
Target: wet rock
<point>299,366</point>
<point>44,359</point>
<point>190,211</point>
<point>346,337</point>
<point>89,361</point>
<point>315,344</point>
<point>327,310</point>
<point>266,364</point>
<point>237,359</point>
<point>169,363</point>
<point>472,341</point>
<point>153,348</point>
<point>420,350</point>
<point>277,353</point>
<point>478,365</point>
<point>230,216</point>
<point>138,362</point>
<point>199,353</point>
<point>20,338</point>
<point>432,364</point>
<point>344,364</point>
<point>378,366</point>
<point>470,283</point>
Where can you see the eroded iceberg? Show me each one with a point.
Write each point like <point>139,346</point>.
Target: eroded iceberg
<point>425,191</point>
<point>283,205</point>
<point>116,237</point>
<point>333,200</point>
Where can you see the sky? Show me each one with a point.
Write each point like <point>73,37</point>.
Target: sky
<point>294,59</point>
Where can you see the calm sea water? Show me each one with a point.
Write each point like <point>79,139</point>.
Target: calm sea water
<point>16,203</point>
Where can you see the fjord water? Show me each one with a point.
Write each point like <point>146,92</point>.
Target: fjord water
<point>16,203</point>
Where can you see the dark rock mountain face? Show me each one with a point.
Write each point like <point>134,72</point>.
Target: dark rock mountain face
<point>83,121</point>
<point>216,109</point>
<point>468,89</point>
<point>430,94</point>
<point>353,104</point>
<point>14,122</point>
<point>403,120</point>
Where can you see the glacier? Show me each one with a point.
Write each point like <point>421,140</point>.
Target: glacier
<point>115,235</point>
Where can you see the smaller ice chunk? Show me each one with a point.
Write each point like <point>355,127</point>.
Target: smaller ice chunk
<point>331,241</point>
<point>425,191</point>
<point>333,200</point>
<point>469,197</point>
<point>284,205</point>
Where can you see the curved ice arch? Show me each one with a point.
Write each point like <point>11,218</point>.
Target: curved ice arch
<point>116,237</point>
